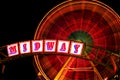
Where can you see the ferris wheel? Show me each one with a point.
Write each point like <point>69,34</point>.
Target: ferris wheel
<point>91,22</point>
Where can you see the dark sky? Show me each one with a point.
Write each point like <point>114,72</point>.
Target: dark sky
<point>18,22</point>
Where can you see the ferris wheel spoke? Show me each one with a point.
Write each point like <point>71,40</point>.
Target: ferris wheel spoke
<point>94,68</point>
<point>61,74</point>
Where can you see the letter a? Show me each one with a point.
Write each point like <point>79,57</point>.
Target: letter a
<point>63,47</point>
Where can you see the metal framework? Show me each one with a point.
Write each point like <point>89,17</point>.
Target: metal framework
<point>4,58</point>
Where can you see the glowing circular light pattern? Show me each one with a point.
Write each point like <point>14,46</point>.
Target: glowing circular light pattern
<point>79,20</point>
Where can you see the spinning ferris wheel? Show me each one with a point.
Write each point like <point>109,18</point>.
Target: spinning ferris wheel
<point>91,22</point>
<point>86,21</point>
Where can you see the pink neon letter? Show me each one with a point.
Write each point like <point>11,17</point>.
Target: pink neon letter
<point>24,47</point>
<point>63,48</point>
<point>13,49</point>
<point>76,48</point>
<point>50,45</point>
<point>37,45</point>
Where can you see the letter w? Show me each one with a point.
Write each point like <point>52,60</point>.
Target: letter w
<point>50,45</point>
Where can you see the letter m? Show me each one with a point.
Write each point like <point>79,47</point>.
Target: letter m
<point>12,49</point>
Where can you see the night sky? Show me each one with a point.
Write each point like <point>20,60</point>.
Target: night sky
<point>18,22</point>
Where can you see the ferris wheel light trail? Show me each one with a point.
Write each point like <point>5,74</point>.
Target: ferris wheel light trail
<point>62,72</point>
<point>94,68</point>
<point>80,69</point>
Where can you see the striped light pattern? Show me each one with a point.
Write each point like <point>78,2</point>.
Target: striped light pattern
<point>91,22</point>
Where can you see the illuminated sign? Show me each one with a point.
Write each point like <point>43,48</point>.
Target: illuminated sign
<point>58,46</point>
